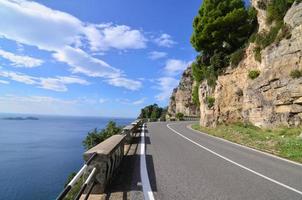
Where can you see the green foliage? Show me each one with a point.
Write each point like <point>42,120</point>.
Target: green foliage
<point>253,74</point>
<point>95,136</point>
<point>179,116</point>
<point>152,112</point>
<point>215,19</point>
<point>195,95</point>
<point>257,53</point>
<point>265,39</point>
<point>285,33</point>
<point>236,57</point>
<point>296,73</point>
<point>220,28</point>
<point>277,9</point>
<point>210,101</point>
<point>262,4</point>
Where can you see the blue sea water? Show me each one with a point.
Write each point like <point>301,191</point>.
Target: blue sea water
<point>36,156</point>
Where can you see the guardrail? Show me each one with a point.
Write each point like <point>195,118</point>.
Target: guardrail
<point>102,161</point>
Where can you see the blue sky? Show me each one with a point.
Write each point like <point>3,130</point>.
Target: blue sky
<point>92,58</point>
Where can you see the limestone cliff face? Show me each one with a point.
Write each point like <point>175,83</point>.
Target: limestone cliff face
<point>272,99</point>
<point>181,99</point>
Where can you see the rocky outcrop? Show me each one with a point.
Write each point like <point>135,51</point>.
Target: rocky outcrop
<point>181,99</point>
<point>274,98</point>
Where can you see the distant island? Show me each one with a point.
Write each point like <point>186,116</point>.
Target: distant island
<point>20,118</point>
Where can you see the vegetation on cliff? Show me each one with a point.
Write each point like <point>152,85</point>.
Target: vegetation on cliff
<point>221,29</point>
<point>153,112</point>
<point>275,10</point>
<point>282,141</point>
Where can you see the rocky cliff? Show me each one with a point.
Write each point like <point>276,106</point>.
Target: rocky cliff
<point>274,97</point>
<point>181,99</point>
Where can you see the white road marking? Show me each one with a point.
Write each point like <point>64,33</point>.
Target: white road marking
<point>148,194</point>
<point>235,163</point>
<point>249,148</point>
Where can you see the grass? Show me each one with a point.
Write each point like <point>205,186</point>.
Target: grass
<point>282,141</point>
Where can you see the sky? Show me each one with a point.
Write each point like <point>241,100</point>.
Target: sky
<point>92,58</point>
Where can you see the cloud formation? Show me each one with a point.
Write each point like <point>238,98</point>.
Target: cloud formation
<point>174,67</point>
<point>164,40</point>
<point>65,36</point>
<point>21,61</point>
<point>58,83</point>
<point>165,85</point>
<point>169,81</point>
<point>155,55</point>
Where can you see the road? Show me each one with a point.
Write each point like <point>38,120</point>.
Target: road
<point>183,164</point>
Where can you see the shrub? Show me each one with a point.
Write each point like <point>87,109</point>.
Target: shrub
<point>296,73</point>
<point>276,9</point>
<point>179,116</point>
<point>265,39</point>
<point>253,74</point>
<point>236,57</point>
<point>285,33</point>
<point>210,101</point>
<point>95,137</point>
<point>257,53</point>
<point>195,95</point>
<point>262,4</point>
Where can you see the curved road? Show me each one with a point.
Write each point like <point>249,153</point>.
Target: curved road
<point>187,165</point>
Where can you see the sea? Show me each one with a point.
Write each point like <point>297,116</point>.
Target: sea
<point>36,156</point>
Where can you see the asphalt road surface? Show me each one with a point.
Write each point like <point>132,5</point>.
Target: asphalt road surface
<point>186,165</point>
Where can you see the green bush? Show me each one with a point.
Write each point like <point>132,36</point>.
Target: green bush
<point>257,53</point>
<point>180,116</point>
<point>195,95</point>
<point>210,101</point>
<point>265,39</point>
<point>296,73</point>
<point>285,33</point>
<point>236,57</point>
<point>262,4</point>
<point>277,9</point>
<point>95,136</point>
<point>253,74</point>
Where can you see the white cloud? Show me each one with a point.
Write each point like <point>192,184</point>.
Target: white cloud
<point>154,55</point>
<point>164,40</point>
<point>129,102</point>
<point>65,36</point>
<point>4,82</point>
<point>81,62</point>
<point>102,100</point>
<point>126,83</point>
<point>139,102</point>
<point>21,61</point>
<point>58,83</point>
<point>174,67</point>
<point>105,36</point>
<point>165,85</point>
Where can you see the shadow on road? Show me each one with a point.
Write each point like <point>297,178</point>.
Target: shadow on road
<point>126,183</point>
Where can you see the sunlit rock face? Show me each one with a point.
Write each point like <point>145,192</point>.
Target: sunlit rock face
<point>181,99</point>
<point>272,99</point>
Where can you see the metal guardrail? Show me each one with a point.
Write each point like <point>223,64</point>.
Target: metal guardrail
<point>101,162</point>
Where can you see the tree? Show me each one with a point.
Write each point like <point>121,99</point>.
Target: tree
<point>95,136</point>
<point>221,26</point>
<point>179,116</point>
<point>152,112</point>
